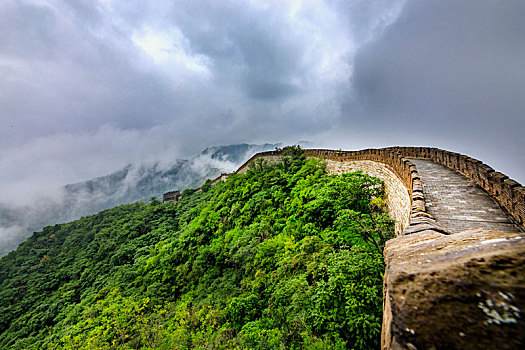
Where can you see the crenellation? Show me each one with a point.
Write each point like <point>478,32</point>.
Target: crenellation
<point>508,194</point>
<point>518,194</point>
<point>462,166</point>
<point>454,160</point>
<point>483,176</point>
<point>472,167</point>
<point>440,156</point>
<point>446,158</point>
<point>417,186</point>
<point>496,185</point>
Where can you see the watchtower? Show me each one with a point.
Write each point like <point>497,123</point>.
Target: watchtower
<point>172,196</point>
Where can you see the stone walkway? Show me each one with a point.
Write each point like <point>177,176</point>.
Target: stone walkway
<point>457,203</point>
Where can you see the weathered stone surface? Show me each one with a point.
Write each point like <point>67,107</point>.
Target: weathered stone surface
<point>418,214</point>
<point>421,220</point>
<point>418,196</point>
<point>461,291</point>
<point>269,157</point>
<point>418,205</point>
<point>422,226</point>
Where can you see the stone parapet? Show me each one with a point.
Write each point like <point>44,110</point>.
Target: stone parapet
<point>221,177</point>
<point>507,192</point>
<point>396,195</point>
<point>460,291</point>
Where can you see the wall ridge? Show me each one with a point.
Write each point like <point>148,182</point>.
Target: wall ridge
<point>508,193</point>
<point>406,171</point>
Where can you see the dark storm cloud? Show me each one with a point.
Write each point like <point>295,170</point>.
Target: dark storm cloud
<point>77,66</point>
<point>89,86</point>
<point>258,47</point>
<point>450,74</point>
<point>457,58</point>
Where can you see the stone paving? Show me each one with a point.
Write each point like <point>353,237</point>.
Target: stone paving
<point>457,203</point>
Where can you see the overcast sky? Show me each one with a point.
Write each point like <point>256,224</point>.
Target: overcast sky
<point>89,86</point>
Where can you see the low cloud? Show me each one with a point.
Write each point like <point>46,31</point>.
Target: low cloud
<point>30,212</point>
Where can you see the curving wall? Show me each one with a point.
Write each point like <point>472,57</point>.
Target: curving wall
<point>397,197</point>
<point>442,291</point>
<point>507,192</point>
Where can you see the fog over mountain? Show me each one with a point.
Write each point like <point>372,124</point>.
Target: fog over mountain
<point>132,183</point>
<point>90,86</point>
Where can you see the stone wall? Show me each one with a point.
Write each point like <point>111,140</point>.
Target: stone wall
<point>397,197</point>
<point>173,196</point>
<point>507,192</point>
<point>221,177</point>
<point>269,156</point>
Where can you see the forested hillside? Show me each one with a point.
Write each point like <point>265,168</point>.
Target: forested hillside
<point>284,256</point>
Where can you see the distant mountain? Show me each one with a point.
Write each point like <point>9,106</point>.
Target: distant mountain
<point>129,184</point>
<point>133,183</point>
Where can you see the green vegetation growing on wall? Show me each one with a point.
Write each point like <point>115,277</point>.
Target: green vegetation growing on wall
<point>284,256</point>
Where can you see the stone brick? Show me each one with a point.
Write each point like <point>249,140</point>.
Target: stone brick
<point>472,166</point>
<point>519,204</point>
<point>463,164</point>
<point>462,291</point>
<point>497,179</point>
<point>484,176</point>
<point>507,193</point>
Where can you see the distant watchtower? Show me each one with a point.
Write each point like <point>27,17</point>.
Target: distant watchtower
<point>172,196</point>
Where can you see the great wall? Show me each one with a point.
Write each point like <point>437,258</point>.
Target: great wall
<point>455,273</point>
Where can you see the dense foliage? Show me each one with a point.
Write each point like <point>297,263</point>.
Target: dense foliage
<point>284,256</point>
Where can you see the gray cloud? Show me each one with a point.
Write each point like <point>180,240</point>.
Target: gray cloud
<point>69,74</point>
<point>450,74</point>
<point>91,86</point>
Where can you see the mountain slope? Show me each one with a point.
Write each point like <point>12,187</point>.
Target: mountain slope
<point>284,256</point>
